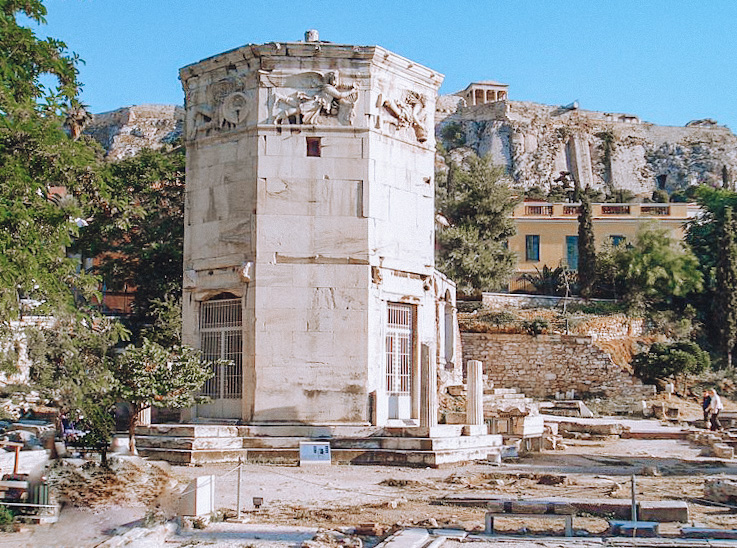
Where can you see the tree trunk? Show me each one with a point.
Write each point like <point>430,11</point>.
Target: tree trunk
<point>132,422</point>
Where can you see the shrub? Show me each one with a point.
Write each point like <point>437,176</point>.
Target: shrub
<point>536,327</point>
<point>6,519</point>
<point>671,361</point>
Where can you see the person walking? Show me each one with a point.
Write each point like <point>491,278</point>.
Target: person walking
<point>715,406</point>
<point>705,406</point>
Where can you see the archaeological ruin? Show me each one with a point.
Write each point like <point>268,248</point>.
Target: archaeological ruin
<point>309,247</point>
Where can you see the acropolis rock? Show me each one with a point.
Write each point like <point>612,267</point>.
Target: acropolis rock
<point>604,150</point>
<point>125,131</point>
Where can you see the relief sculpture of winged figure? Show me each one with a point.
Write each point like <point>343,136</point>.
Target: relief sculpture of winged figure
<point>409,112</point>
<point>316,95</point>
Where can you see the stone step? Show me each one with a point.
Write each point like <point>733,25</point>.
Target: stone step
<point>190,443</point>
<point>420,444</point>
<point>186,456</point>
<point>506,401</point>
<point>272,442</point>
<point>348,455</point>
<point>432,459</point>
<point>277,430</point>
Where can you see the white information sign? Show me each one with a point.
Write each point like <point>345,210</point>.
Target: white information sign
<point>314,452</point>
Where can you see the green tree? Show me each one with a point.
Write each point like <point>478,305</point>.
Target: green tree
<point>49,185</point>
<point>620,196</point>
<point>725,303</point>
<point>671,361</point>
<point>656,269</point>
<point>477,202</point>
<point>704,236</point>
<point>166,325</point>
<point>586,249</point>
<point>70,360</point>
<point>153,376</point>
<point>140,242</point>
<point>24,59</point>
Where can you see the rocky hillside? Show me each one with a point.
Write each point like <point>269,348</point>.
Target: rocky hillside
<point>536,142</point>
<point>125,131</point>
<point>605,150</point>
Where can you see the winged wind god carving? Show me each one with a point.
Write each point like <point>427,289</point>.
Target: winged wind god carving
<point>316,98</point>
<point>226,104</point>
<point>409,112</point>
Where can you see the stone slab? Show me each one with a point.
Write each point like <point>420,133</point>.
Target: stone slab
<point>658,511</point>
<point>475,429</point>
<point>528,507</point>
<point>407,538</point>
<point>706,532</point>
<point>647,529</point>
<point>663,510</point>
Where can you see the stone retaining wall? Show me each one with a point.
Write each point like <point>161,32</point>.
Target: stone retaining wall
<point>505,301</point>
<point>543,365</point>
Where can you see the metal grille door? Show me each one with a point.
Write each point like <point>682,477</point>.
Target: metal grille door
<point>399,359</point>
<point>221,338</point>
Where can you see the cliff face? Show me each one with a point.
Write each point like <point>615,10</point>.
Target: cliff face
<point>535,142</point>
<point>125,131</point>
<point>604,150</point>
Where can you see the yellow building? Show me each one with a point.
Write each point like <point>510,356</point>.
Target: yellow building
<point>547,233</point>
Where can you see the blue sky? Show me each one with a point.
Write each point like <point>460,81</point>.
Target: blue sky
<point>667,61</point>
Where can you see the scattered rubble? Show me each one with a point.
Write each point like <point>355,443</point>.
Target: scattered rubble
<point>130,481</point>
<point>720,490</point>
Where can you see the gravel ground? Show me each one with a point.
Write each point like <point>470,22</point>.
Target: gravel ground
<point>297,501</point>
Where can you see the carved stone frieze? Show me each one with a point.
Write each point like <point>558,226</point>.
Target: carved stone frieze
<point>311,98</point>
<point>408,111</point>
<point>223,105</point>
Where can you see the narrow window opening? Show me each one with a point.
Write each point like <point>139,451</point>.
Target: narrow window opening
<point>617,240</point>
<point>221,338</point>
<point>532,247</point>
<point>314,147</point>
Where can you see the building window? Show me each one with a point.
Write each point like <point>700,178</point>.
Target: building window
<point>532,247</point>
<point>313,146</point>
<point>655,210</point>
<point>617,239</point>
<point>221,338</point>
<point>399,338</point>
<point>615,210</point>
<point>539,210</point>
<point>572,252</point>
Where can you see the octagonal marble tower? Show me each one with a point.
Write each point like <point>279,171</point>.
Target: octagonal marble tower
<point>309,235</point>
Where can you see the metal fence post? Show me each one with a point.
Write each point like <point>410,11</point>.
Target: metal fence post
<point>238,496</point>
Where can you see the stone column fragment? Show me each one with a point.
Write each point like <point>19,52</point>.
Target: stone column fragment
<point>475,393</point>
<point>428,390</point>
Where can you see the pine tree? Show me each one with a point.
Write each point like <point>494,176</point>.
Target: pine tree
<point>476,200</point>
<point>586,249</point>
<point>725,303</point>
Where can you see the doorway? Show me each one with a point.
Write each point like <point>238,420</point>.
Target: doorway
<point>399,359</point>
<point>221,342</point>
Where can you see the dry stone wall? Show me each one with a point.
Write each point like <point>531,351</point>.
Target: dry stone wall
<point>543,365</point>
